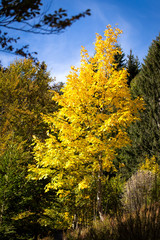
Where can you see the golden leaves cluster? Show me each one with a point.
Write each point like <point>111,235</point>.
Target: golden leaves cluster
<point>95,109</point>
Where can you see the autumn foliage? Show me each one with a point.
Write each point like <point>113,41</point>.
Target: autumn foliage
<point>95,110</point>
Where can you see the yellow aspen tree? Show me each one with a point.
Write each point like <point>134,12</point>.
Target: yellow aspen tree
<point>96,109</point>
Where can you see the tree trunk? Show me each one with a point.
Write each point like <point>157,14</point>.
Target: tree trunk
<point>1,215</point>
<point>99,190</point>
<point>75,221</point>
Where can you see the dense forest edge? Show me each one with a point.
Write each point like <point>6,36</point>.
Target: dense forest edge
<point>81,160</point>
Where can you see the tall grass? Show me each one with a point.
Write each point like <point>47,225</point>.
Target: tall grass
<point>138,219</point>
<point>142,225</point>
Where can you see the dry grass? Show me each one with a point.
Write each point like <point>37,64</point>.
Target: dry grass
<point>138,225</point>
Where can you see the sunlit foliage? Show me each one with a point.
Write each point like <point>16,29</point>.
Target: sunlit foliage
<point>96,108</point>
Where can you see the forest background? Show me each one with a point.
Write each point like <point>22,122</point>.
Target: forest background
<point>34,121</point>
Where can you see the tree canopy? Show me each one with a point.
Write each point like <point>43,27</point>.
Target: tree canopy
<point>25,94</point>
<point>81,142</point>
<point>96,108</point>
<point>18,15</point>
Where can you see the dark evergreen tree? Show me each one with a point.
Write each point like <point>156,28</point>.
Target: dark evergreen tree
<point>133,67</point>
<point>120,59</point>
<point>146,133</point>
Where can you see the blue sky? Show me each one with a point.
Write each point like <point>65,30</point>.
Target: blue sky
<point>139,20</point>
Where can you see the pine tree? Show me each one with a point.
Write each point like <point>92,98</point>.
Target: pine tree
<point>133,67</point>
<point>120,59</point>
<point>146,133</point>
